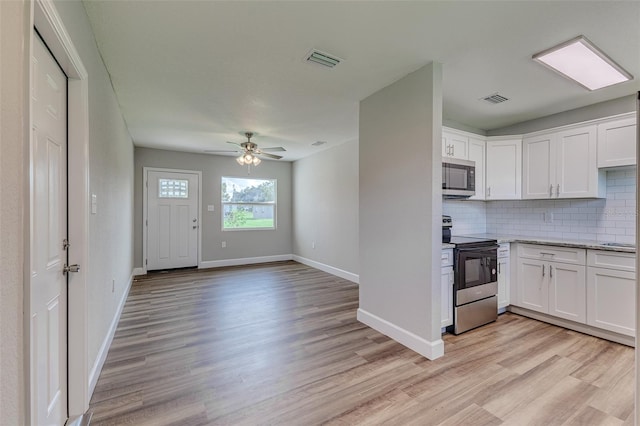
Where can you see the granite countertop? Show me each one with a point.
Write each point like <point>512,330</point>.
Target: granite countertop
<point>586,244</point>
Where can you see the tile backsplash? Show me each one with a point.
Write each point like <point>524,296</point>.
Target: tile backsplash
<point>610,219</point>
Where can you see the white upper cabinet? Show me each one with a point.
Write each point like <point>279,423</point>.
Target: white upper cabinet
<point>562,164</point>
<point>503,171</point>
<point>455,146</point>
<point>477,153</point>
<point>617,142</point>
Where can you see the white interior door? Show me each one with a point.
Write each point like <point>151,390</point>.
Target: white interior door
<point>172,220</point>
<point>48,303</point>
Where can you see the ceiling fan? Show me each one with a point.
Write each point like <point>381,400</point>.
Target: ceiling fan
<point>249,151</point>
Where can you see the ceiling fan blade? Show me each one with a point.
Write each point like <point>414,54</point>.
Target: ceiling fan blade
<point>233,143</point>
<point>220,150</point>
<point>265,154</point>
<point>274,149</point>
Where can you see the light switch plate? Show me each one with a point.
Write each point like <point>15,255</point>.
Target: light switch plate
<point>210,208</point>
<point>94,204</point>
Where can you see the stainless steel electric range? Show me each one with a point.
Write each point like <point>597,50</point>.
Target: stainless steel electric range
<point>475,287</point>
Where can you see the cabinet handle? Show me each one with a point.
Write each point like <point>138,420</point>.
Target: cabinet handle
<point>547,253</point>
<point>489,190</point>
<point>543,270</point>
<point>453,150</point>
<point>550,271</point>
<point>498,267</point>
<point>550,190</point>
<point>558,193</point>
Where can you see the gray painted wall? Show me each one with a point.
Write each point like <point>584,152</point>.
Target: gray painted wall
<point>325,207</point>
<point>240,244</point>
<point>110,179</point>
<point>14,136</point>
<point>401,203</point>
<point>590,112</point>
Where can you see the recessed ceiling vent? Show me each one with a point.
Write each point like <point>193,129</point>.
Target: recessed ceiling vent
<point>319,143</point>
<point>495,99</point>
<point>322,58</point>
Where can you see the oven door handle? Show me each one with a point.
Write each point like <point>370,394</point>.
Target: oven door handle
<point>483,248</point>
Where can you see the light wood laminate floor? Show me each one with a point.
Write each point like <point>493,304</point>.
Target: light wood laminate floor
<point>279,344</point>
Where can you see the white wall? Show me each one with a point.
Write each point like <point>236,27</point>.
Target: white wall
<point>325,210</point>
<point>605,220</point>
<point>111,180</point>
<point>400,210</point>
<point>14,33</point>
<point>240,244</point>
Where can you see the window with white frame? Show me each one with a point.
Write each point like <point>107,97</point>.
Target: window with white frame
<point>248,203</point>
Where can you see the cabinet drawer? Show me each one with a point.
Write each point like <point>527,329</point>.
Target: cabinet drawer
<point>504,250</point>
<point>552,253</point>
<point>447,257</point>
<point>612,260</point>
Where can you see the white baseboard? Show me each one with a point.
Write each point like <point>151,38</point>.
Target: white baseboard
<point>139,271</point>
<point>243,261</point>
<point>328,269</point>
<point>94,374</point>
<point>426,348</point>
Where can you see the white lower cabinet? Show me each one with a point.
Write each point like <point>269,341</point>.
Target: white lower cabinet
<point>551,287</point>
<point>567,292</point>
<point>611,292</point>
<point>504,273</point>
<point>446,296</point>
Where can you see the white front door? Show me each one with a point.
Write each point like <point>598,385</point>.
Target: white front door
<point>172,220</point>
<point>48,302</point>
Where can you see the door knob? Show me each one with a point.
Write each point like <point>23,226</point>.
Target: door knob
<point>70,268</point>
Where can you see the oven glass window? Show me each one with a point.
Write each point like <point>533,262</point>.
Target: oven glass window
<point>473,271</point>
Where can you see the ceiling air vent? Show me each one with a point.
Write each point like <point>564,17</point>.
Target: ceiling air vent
<point>323,58</point>
<point>495,99</point>
<point>318,143</point>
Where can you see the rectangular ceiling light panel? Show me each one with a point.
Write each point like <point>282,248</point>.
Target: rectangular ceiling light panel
<point>581,61</point>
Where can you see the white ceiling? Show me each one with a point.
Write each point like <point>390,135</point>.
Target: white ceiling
<point>191,75</point>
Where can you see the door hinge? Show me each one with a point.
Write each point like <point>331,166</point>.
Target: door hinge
<point>146,222</point>
<point>146,183</point>
<point>65,244</point>
<point>146,261</point>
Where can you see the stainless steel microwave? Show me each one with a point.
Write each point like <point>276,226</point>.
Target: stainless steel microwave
<point>458,178</point>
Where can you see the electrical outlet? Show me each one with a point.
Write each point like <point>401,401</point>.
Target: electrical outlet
<point>547,217</point>
<point>224,244</point>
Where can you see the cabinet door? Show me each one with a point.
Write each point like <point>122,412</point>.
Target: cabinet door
<point>538,167</point>
<point>504,271</point>
<point>611,300</point>
<point>503,172</point>
<point>577,170</point>
<point>617,143</point>
<point>567,291</point>
<point>477,154</point>
<point>455,146</point>
<point>446,296</point>
<point>533,285</point>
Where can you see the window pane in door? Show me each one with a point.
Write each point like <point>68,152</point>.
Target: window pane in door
<point>173,188</point>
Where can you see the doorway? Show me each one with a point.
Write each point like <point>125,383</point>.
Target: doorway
<point>172,218</point>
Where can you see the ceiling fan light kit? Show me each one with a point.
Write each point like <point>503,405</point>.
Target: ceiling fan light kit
<point>249,152</point>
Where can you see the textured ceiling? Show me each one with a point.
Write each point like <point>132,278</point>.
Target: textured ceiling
<point>191,75</point>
